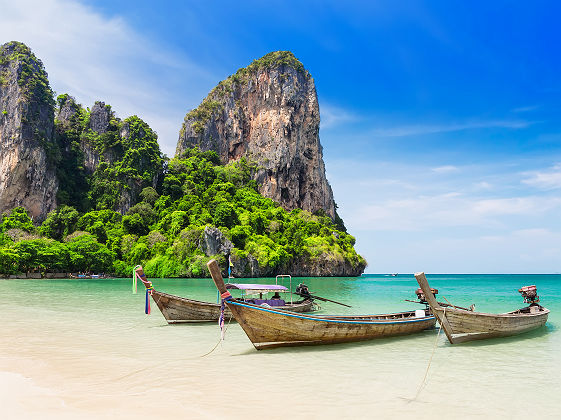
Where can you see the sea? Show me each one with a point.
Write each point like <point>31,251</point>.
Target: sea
<point>86,349</point>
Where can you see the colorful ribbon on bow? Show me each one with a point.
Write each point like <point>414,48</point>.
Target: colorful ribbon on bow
<point>225,296</point>
<point>147,304</point>
<point>134,276</point>
<point>147,284</point>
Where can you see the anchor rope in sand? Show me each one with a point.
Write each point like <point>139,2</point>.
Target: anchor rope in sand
<point>423,382</point>
<point>138,371</point>
<point>150,288</point>
<point>223,333</point>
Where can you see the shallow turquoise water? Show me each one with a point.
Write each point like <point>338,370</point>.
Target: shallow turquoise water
<point>90,343</point>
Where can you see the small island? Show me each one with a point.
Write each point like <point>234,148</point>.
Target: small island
<point>82,190</point>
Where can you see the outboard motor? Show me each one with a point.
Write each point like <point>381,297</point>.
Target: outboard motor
<point>421,295</point>
<point>303,291</point>
<point>530,294</point>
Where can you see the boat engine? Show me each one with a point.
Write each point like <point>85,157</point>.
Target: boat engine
<point>303,290</point>
<point>421,295</point>
<point>530,294</point>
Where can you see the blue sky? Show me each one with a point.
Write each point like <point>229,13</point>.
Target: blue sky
<point>440,124</point>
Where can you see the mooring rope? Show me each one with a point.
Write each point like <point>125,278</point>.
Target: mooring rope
<point>453,306</point>
<point>423,382</point>
<point>221,338</point>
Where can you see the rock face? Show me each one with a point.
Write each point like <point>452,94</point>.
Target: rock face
<point>100,117</point>
<point>27,175</point>
<point>99,123</point>
<point>268,113</point>
<point>67,111</point>
<point>214,242</point>
<point>303,266</point>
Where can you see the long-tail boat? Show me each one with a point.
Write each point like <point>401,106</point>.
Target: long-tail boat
<point>461,324</point>
<point>269,327</point>
<point>177,309</point>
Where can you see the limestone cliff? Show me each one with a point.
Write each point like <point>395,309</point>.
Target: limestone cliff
<point>27,174</point>
<point>268,113</point>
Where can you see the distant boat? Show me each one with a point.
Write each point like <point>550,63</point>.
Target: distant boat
<point>177,309</point>
<point>393,275</point>
<point>269,327</point>
<point>461,324</point>
<point>87,276</point>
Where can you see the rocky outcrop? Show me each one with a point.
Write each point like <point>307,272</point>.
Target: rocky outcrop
<point>66,112</point>
<point>301,266</point>
<point>27,149</point>
<point>100,119</point>
<point>268,113</point>
<point>100,115</point>
<point>214,242</point>
<point>99,122</point>
<point>324,266</point>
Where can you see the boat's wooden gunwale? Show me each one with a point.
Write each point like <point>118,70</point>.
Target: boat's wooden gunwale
<point>512,314</point>
<point>366,319</point>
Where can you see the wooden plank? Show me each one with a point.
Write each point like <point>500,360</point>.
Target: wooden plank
<point>438,310</point>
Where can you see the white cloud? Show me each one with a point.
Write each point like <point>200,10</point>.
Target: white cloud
<point>446,210</point>
<point>482,185</point>
<point>93,57</point>
<point>333,116</point>
<point>445,169</point>
<point>545,180</point>
<point>422,129</point>
<point>506,206</point>
<point>526,108</point>
<point>407,217</point>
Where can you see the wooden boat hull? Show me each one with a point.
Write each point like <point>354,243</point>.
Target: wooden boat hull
<point>462,325</point>
<point>269,328</point>
<point>177,309</point>
<point>467,326</point>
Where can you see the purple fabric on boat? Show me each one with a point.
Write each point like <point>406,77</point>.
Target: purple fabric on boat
<point>243,286</point>
<point>270,302</point>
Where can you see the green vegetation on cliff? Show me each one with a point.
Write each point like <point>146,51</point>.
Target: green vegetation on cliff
<point>166,230</point>
<point>126,157</point>
<point>275,59</point>
<point>33,78</point>
<point>136,164</point>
